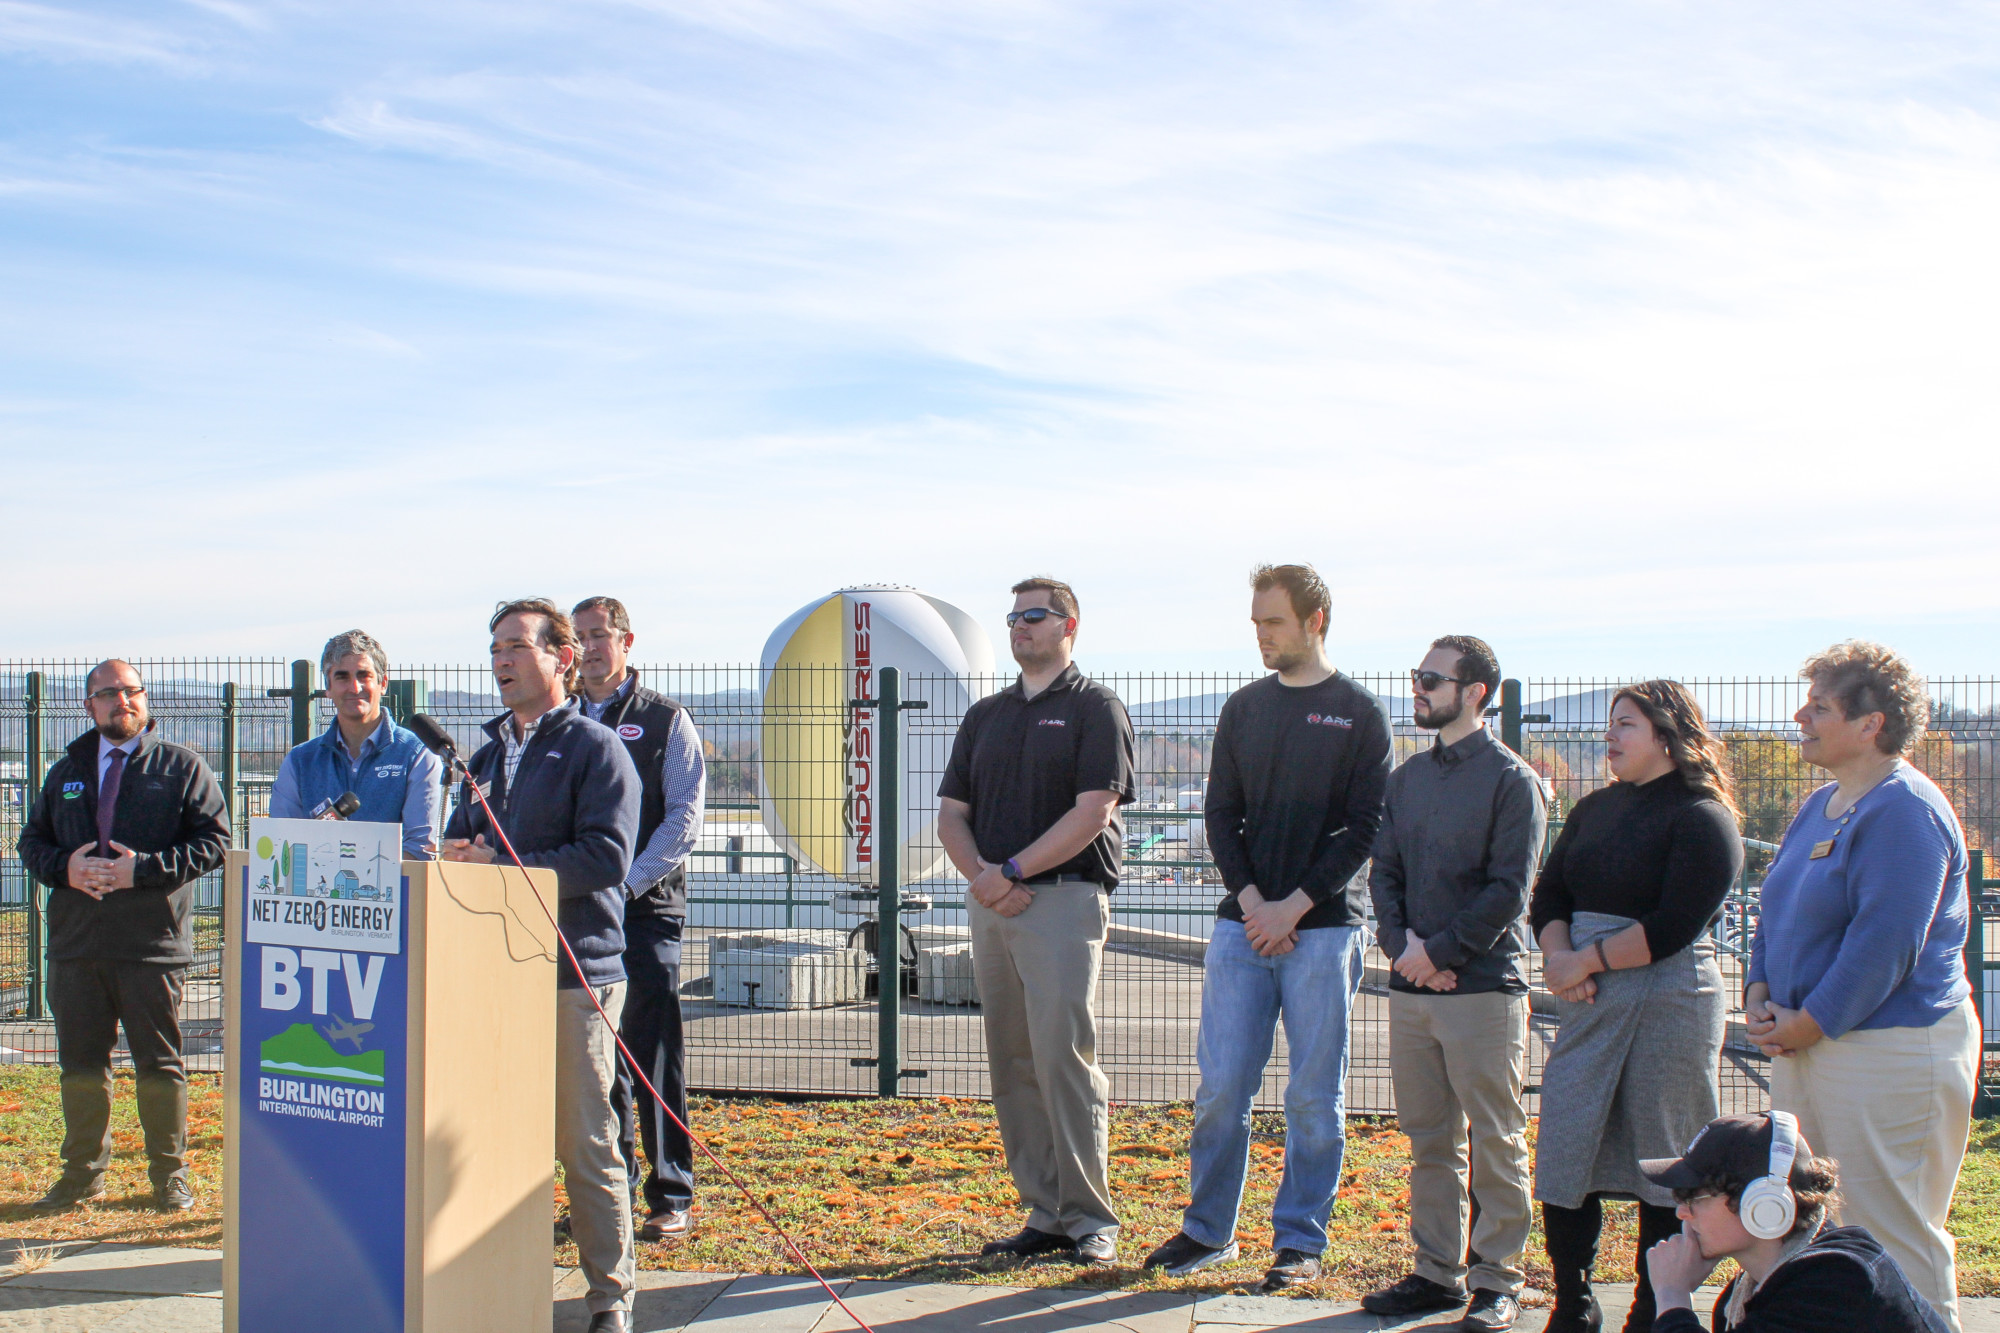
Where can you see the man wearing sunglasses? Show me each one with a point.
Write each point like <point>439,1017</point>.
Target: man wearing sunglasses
<point>124,826</point>
<point>1294,798</point>
<point>1460,836</point>
<point>1028,812</point>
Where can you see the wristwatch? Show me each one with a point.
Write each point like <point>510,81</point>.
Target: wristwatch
<point>1012,870</point>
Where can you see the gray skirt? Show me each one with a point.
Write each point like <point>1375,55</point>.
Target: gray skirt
<point>1633,1075</point>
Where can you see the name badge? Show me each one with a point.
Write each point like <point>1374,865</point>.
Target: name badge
<point>1820,849</point>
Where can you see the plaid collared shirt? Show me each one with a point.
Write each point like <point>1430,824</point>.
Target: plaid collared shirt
<point>515,749</point>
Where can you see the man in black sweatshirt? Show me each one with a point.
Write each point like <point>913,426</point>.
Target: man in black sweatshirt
<point>566,794</point>
<point>125,824</point>
<point>1294,799</point>
<point>1460,838</point>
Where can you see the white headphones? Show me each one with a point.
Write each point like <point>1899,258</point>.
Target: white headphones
<point>1768,1209</point>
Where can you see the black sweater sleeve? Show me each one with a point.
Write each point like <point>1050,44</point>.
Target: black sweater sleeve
<point>42,852</point>
<point>1552,900</point>
<point>1224,806</point>
<point>1703,861</point>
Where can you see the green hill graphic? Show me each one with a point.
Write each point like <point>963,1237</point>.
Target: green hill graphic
<point>301,1050</point>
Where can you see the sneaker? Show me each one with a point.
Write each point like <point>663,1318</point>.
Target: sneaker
<point>69,1191</point>
<point>1027,1243</point>
<point>1413,1295</point>
<point>1490,1312</point>
<point>1293,1268</point>
<point>1184,1254</point>
<point>174,1196</point>
<point>1101,1248</point>
<point>667,1222</point>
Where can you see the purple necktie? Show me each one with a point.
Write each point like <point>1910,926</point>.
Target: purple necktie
<point>107,801</point>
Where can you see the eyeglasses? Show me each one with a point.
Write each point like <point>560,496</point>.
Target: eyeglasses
<point>111,692</point>
<point>1696,1196</point>
<point>1034,615</point>
<point>1430,680</point>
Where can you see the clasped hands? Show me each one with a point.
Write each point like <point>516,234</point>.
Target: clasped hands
<point>1415,966</point>
<point>1570,974</point>
<point>991,888</point>
<point>99,875</point>
<point>1778,1031</point>
<point>1272,927</point>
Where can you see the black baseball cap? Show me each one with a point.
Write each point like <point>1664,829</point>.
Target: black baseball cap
<point>1736,1147</point>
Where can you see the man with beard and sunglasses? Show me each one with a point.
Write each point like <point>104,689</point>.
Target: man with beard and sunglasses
<point>125,825</point>
<point>1461,833</point>
<point>1294,798</point>
<point>1028,812</point>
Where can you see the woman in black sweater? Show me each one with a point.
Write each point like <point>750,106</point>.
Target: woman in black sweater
<point>1621,911</point>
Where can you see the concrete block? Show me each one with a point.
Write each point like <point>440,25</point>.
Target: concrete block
<point>945,975</point>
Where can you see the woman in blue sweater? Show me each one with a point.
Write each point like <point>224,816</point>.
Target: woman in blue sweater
<point>1857,982</point>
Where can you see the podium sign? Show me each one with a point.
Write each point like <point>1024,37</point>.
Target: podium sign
<point>390,1088</point>
<point>322,986</point>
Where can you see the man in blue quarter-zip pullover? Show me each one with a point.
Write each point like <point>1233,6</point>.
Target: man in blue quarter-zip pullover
<point>363,751</point>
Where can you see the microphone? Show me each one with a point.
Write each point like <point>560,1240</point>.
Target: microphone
<point>435,738</point>
<point>336,807</point>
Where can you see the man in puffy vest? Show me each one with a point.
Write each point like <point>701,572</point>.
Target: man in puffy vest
<point>364,752</point>
<point>666,749</point>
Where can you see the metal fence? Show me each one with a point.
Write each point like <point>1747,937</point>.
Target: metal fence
<point>752,898</point>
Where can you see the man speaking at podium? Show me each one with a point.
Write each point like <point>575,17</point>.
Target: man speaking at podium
<point>363,752</point>
<point>567,795</point>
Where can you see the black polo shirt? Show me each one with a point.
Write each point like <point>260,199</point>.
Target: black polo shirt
<point>1020,763</point>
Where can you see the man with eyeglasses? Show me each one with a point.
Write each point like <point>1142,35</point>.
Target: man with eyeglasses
<point>1460,837</point>
<point>363,751</point>
<point>1294,798</point>
<point>124,825</point>
<point>1028,812</point>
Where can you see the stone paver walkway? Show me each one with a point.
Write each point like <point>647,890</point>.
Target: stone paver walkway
<point>114,1288</point>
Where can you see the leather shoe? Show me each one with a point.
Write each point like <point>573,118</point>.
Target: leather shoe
<point>610,1321</point>
<point>69,1191</point>
<point>1097,1249</point>
<point>1413,1295</point>
<point>174,1196</point>
<point>1490,1312</point>
<point>1027,1243</point>
<point>1290,1268</point>
<point>667,1222</point>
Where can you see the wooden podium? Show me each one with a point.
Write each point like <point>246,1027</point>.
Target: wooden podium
<point>409,1191</point>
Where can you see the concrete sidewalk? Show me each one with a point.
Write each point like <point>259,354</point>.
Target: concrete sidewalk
<point>114,1288</point>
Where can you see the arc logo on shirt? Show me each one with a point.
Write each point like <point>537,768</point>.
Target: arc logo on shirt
<point>630,731</point>
<point>1329,720</point>
<point>1050,722</point>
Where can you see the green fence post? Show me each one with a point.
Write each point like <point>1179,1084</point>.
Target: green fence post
<point>1975,971</point>
<point>888,880</point>
<point>301,694</point>
<point>37,943</point>
<point>407,697</point>
<point>230,760</point>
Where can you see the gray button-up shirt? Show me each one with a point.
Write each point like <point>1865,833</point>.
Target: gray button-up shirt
<point>1461,836</point>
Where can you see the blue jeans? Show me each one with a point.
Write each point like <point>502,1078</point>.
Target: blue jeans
<point>1243,995</point>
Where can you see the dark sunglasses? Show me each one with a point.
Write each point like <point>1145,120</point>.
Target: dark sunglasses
<point>1034,615</point>
<point>1430,680</point>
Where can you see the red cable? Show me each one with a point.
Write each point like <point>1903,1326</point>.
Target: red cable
<point>640,1074</point>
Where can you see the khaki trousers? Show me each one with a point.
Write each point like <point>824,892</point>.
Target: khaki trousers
<point>1893,1106</point>
<point>594,1174</point>
<point>1037,976</point>
<point>1458,1063</point>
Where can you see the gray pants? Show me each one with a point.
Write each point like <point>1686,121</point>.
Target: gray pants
<point>1458,1063</point>
<point>600,1198</point>
<point>1037,977</point>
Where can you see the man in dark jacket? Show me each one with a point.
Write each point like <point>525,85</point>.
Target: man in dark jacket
<point>1809,1276</point>
<point>567,797</point>
<point>1461,831</point>
<point>125,824</point>
<point>666,749</point>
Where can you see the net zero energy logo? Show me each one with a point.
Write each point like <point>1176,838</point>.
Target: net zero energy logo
<point>324,910</point>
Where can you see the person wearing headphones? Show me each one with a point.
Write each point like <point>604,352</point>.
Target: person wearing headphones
<point>1750,1189</point>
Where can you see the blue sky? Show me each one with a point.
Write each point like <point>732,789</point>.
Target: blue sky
<point>1637,338</point>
